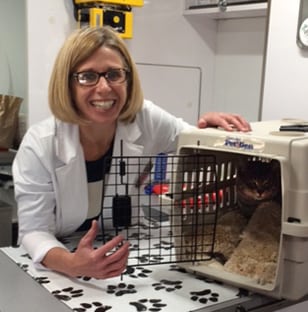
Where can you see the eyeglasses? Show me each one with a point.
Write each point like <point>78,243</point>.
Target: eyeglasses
<point>90,78</point>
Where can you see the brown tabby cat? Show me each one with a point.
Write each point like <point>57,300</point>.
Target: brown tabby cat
<point>259,200</point>
<point>247,239</point>
<point>257,181</point>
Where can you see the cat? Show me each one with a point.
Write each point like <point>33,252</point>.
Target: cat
<point>257,181</point>
<point>259,200</point>
<point>257,185</point>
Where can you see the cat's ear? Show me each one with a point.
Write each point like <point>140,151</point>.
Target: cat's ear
<point>241,165</point>
<point>275,164</point>
<point>241,161</point>
<point>277,170</point>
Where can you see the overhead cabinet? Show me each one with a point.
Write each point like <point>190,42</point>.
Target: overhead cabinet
<point>216,9</point>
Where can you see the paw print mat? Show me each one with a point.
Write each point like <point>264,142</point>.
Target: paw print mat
<point>157,287</point>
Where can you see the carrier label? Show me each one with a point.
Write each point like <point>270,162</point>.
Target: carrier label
<point>246,144</point>
<point>238,143</point>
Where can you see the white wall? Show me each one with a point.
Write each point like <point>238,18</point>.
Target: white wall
<point>229,53</point>
<point>239,61</point>
<point>286,71</point>
<point>48,22</point>
<point>161,35</point>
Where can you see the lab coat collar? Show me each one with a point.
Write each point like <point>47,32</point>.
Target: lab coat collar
<point>67,142</point>
<point>128,134</point>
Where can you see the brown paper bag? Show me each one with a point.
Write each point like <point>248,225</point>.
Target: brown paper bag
<point>9,109</point>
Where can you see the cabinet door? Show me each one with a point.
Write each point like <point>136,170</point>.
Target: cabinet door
<point>174,88</point>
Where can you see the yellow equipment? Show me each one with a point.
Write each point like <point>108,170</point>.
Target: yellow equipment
<point>115,13</point>
<point>123,2</point>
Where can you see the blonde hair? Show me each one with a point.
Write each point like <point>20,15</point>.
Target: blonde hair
<point>79,46</point>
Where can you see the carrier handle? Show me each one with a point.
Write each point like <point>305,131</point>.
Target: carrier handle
<point>295,229</point>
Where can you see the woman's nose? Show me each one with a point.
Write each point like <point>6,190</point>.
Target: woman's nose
<point>102,83</point>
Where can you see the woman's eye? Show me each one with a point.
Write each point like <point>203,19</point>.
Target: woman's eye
<point>113,75</point>
<point>88,76</point>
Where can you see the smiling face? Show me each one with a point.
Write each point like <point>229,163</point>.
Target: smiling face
<point>103,102</point>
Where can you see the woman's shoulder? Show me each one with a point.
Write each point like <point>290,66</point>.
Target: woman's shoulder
<point>148,106</point>
<point>150,110</point>
<point>46,131</point>
<point>160,116</point>
<point>43,126</point>
<point>49,127</point>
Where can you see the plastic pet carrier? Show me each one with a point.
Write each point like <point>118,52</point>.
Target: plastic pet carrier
<point>229,205</point>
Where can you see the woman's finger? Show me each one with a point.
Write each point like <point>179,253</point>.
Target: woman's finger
<point>88,239</point>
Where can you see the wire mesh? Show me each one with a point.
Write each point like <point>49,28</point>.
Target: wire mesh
<point>165,205</point>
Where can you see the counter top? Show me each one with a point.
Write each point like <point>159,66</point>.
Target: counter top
<point>20,292</point>
<point>162,287</point>
<point>155,287</point>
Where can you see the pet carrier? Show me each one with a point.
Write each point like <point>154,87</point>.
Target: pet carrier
<point>199,212</point>
<point>266,251</point>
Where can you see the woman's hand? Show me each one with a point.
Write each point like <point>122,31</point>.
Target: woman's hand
<point>226,121</point>
<point>107,261</point>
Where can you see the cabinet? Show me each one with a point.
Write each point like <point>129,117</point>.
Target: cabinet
<point>191,8</point>
<point>5,224</point>
<point>238,44</point>
<point>8,207</point>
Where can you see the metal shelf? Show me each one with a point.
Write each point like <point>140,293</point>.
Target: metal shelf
<point>232,11</point>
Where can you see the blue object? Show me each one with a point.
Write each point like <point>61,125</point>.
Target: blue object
<point>160,167</point>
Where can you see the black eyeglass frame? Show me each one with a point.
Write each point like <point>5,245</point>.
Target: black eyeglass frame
<point>105,74</point>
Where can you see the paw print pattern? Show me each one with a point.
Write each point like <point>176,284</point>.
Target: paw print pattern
<point>85,278</point>
<point>150,259</point>
<point>27,256</point>
<point>164,245</point>
<point>208,280</point>
<point>121,289</point>
<point>104,238</point>
<point>142,305</point>
<point>139,236</point>
<point>133,247</point>
<point>204,296</point>
<point>68,293</point>
<point>168,285</point>
<point>23,266</point>
<point>174,267</point>
<point>42,280</point>
<point>98,307</point>
<point>135,272</point>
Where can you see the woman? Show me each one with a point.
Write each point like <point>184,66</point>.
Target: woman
<point>97,102</point>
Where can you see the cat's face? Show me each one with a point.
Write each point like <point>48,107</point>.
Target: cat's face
<point>258,180</point>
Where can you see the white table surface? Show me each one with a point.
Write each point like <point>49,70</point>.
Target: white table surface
<point>164,287</point>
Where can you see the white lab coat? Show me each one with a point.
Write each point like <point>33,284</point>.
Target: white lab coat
<point>50,176</point>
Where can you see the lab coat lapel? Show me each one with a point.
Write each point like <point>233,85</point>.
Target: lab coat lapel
<point>128,134</point>
<point>73,195</point>
<point>67,143</point>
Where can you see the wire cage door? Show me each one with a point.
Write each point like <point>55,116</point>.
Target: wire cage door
<point>163,205</point>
